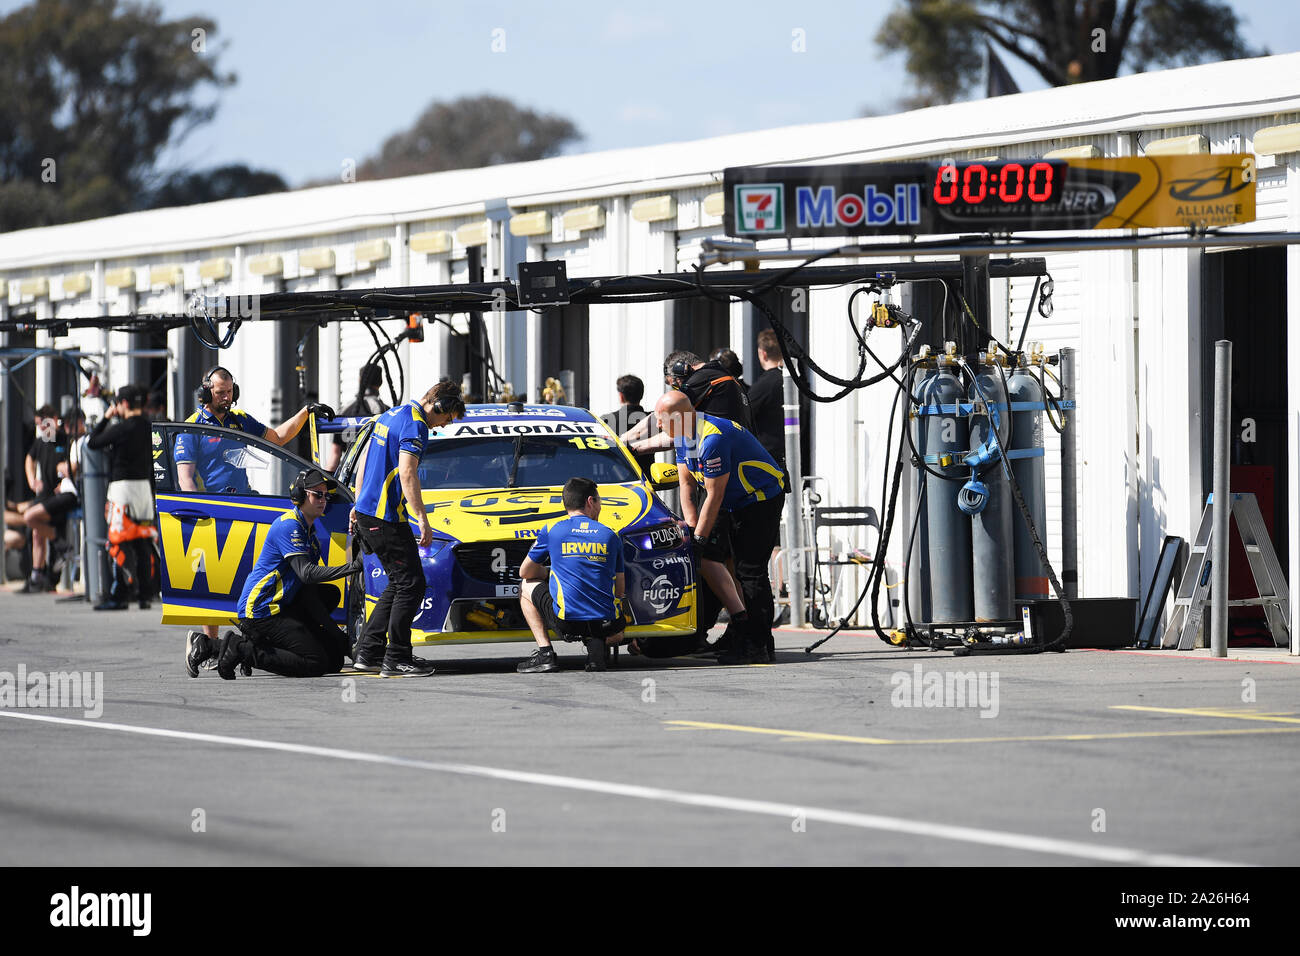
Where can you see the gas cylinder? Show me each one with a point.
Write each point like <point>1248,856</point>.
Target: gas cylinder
<point>942,440</point>
<point>1029,468</point>
<point>992,531</point>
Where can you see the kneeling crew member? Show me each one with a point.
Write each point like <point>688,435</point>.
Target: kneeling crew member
<point>284,608</point>
<point>742,486</point>
<point>580,594</point>
<point>388,500</point>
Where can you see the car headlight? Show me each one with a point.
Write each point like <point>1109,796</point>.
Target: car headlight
<point>434,548</point>
<point>658,537</point>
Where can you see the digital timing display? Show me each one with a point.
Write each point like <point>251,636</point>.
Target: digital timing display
<point>993,196</point>
<point>1003,184</point>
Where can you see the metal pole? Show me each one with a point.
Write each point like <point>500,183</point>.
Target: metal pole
<point>1069,500</point>
<point>1222,499</point>
<point>794,503</point>
<point>4,450</point>
<point>94,492</point>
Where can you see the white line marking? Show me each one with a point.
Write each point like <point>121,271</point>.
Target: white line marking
<point>864,821</point>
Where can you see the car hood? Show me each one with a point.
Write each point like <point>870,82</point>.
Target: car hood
<point>495,513</point>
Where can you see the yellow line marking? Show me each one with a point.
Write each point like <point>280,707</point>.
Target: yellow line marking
<point>882,741</point>
<point>224,504</point>
<point>1208,712</point>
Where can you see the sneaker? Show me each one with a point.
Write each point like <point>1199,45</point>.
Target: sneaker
<point>597,653</point>
<point>211,663</point>
<point>365,665</point>
<point>35,584</point>
<point>110,605</point>
<point>229,656</point>
<point>543,661</point>
<point>198,651</point>
<point>415,667</point>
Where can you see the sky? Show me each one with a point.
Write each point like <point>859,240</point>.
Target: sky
<point>323,82</point>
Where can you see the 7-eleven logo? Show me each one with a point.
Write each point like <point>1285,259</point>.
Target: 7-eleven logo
<point>760,208</point>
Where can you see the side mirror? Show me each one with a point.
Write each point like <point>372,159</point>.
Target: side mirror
<point>663,476</point>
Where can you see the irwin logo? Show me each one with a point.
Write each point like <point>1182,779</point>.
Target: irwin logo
<point>822,208</point>
<point>584,547</point>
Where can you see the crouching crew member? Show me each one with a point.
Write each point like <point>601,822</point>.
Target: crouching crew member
<point>579,596</point>
<point>284,609</point>
<point>743,488</point>
<point>388,502</point>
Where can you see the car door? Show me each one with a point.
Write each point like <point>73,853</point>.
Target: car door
<point>209,537</point>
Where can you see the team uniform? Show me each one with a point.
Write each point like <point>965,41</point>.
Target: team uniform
<point>130,502</point>
<point>751,504</point>
<point>384,528</point>
<point>285,606</point>
<point>218,470</point>
<point>577,597</point>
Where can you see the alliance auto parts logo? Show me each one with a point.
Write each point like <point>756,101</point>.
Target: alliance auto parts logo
<point>760,208</point>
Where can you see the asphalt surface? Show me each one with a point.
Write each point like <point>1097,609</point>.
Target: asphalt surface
<point>810,761</point>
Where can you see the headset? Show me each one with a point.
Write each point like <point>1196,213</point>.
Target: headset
<point>204,392</point>
<point>304,480</point>
<point>680,369</point>
<point>453,405</point>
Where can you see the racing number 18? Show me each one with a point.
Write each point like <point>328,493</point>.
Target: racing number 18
<point>600,444</point>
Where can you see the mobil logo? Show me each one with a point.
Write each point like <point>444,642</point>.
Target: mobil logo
<point>823,207</point>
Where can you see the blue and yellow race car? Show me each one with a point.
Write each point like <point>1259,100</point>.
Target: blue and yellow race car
<point>490,482</point>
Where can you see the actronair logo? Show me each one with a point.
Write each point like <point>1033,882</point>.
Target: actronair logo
<point>760,208</point>
<point>821,208</point>
<point>76,909</point>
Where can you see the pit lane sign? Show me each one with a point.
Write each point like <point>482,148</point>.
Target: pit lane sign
<point>1003,196</point>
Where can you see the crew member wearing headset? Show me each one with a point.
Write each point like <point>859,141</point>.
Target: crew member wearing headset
<point>203,462</point>
<point>389,504</point>
<point>284,609</point>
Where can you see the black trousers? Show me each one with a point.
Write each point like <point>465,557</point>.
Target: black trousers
<point>396,548</point>
<point>300,641</point>
<point>755,532</point>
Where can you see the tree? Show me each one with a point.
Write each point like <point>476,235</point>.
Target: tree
<point>1065,41</point>
<point>223,182</point>
<point>91,92</point>
<point>467,133</point>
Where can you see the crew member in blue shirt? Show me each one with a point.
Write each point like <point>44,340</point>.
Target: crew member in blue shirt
<point>284,609</point>
<point>580,594</point>
<point>389,503</point>
<point>204,463</point>
<point>744,491</point>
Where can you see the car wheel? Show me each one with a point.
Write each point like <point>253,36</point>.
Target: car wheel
<point>357,607</point>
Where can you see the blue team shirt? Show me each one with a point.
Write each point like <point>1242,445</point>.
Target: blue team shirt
<point>272,583</point>
<point>399,429</point>
<point>212,454</point>
<point>724,448</point>
<point>585,556</point>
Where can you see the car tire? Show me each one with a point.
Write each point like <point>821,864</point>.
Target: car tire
<point>357,607</point>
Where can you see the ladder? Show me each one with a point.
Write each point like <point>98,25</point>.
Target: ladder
<point>1194,589</point>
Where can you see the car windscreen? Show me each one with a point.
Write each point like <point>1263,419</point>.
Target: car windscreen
<point>542,460</point>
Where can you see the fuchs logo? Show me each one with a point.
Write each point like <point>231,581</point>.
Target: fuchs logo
<point>821,208</point>
<point>760,208</point>
<point>661,593</point>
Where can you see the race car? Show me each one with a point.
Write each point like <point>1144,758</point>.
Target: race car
<point>489,483</point>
